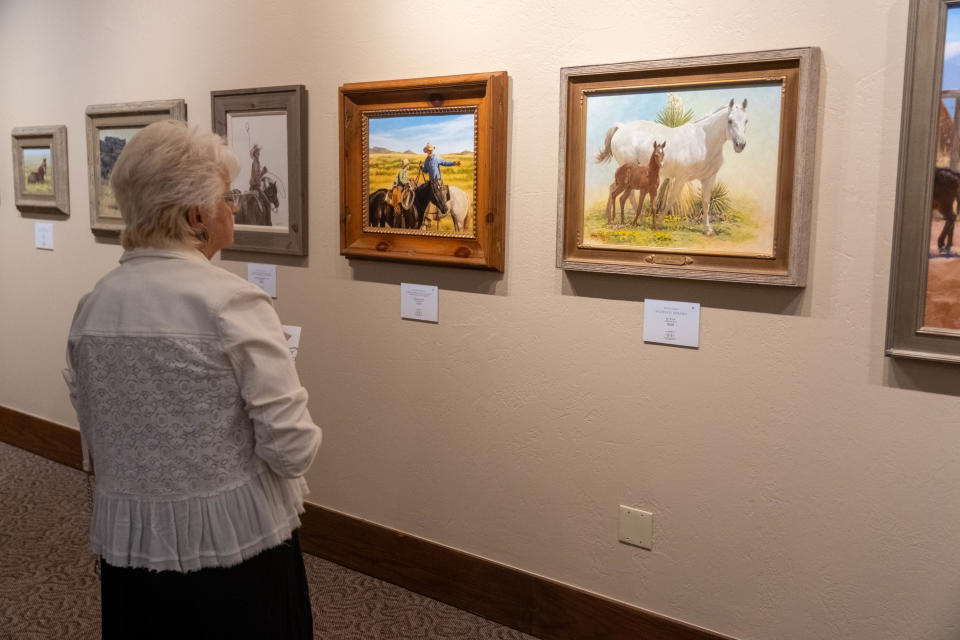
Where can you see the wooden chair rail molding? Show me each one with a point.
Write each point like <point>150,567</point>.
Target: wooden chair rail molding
<point>534,605</point>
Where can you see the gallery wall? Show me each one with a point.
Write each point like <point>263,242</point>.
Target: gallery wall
<point>803,486</point>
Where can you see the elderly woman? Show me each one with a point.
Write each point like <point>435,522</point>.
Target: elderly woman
<point>190,406</point>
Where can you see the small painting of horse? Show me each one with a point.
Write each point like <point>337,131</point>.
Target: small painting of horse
<point>37,171</point>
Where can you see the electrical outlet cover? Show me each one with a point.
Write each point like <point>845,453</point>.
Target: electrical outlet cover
<point>636,527</point>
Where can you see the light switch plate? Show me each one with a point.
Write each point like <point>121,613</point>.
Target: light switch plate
<point>636,527</point>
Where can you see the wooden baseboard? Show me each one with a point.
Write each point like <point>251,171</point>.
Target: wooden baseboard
<point>532,604</point>
<point>42,437</point>
<point>537,606</point>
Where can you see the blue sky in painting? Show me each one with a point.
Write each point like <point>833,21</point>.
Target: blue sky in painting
<point>951,50</point>
<point>448,133</point>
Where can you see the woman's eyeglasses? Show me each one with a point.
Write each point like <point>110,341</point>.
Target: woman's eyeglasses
<point>233,198</point>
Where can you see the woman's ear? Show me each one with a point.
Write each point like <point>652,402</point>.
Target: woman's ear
<point>194,218</point>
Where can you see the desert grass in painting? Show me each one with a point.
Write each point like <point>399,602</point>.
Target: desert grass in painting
<point>384,168</point>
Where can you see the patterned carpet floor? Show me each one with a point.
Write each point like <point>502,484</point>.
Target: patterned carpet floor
<point>49,591</point>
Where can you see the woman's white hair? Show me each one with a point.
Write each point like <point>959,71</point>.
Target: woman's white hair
<point>163,171</point>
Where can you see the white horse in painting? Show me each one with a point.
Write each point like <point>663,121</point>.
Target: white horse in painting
<point>696,149</point>
<point>458,206</point>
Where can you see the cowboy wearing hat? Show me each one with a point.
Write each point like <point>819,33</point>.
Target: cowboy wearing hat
<point>256,171</point>
<point>431,166</point>
<point>401,182</point>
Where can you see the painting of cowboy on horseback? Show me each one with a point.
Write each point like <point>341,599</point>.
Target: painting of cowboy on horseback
<point>421,192</point>
<point>431,166</point>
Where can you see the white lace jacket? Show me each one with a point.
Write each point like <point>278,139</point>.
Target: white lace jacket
<point>190,405</point>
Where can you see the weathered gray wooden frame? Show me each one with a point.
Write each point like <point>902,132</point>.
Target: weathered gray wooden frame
<point>54,137</point>
<point>906,334</point>
<point>789,270</point>
<point>293,100</point>
<point>124,114</point>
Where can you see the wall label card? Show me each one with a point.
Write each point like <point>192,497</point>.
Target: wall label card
<point>292,334</point>
<point>419,302</point>
<point>264,276</point>
<point>670,322</point>
<point>43,235</point>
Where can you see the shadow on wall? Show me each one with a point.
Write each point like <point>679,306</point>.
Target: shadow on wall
<point>719,295</point>
<point>921,375</point>
<point>451,278</point>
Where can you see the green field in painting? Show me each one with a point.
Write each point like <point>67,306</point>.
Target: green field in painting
<point>732,217</point>
<point>384,168</point>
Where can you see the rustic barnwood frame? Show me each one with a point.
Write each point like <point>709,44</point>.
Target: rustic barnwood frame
<point>119,116</point>
<point>485,94</point>
<point>292,100</point>
<point>55,139</point>
<point>797,69</point>
<point>907,336</point>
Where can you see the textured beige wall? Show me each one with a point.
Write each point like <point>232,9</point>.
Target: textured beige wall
<point>804,486</point>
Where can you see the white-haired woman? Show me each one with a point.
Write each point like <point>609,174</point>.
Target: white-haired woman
<point>191,409</point>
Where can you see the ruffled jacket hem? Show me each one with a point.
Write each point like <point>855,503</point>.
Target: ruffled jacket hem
<point>189,534</point>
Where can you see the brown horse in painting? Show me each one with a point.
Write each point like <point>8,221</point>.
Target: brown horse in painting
<point>946,190</point>
<point>646,179</point>
<point>38,176</point>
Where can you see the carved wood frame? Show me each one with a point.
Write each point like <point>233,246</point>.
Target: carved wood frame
<point>485,94</point>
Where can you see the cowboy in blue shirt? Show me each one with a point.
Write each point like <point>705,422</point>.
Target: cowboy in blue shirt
<point>431,166</point>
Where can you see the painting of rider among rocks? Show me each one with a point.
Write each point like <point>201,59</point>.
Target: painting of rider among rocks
<point>259,140</point>
<point>689,169</point>
<point>421,173</point>
<point>942,301</point>
<point>112,142</point>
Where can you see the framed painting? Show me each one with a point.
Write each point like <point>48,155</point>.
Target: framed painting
<point>109,128</point>
<point>923,319</point>
<point>41,178</point>
<point>423,170</point>
<point>690,167</point>
<point>266,128</point>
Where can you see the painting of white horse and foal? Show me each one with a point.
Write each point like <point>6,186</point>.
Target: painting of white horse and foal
<point>690,167</point>
<point>718,141</point>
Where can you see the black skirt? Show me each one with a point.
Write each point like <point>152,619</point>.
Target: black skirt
<point>263,597</point>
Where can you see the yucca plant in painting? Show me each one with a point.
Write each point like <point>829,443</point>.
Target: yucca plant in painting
<point>674,115</point>
<point>721,204</point>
